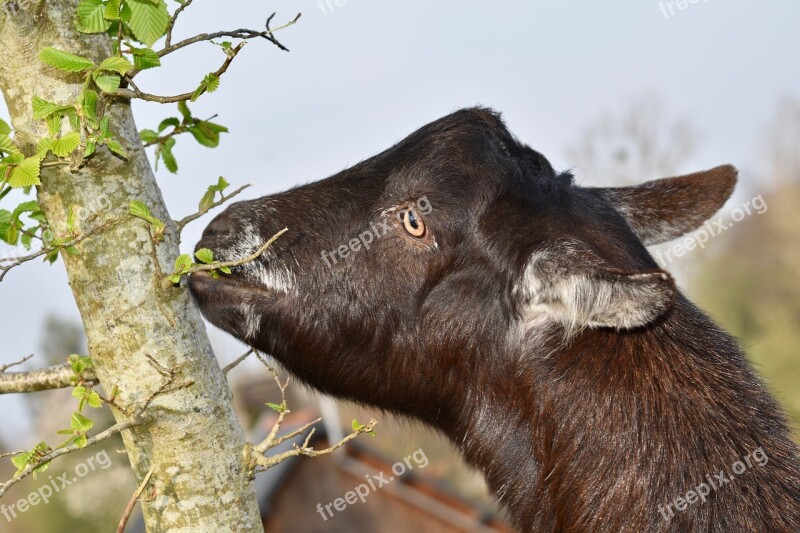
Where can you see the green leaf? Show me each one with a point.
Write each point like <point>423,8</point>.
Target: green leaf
<point>145,58</point>
<point>94,400</point>
<point>91,17</point>
<point>21,461</point>
<point>26,239</point>
<point>221,185</point>
<point>43,109</point>
<point>209,84</point>
<point>167,122</point>
<point>112,10</point>
<point>174,278</point>
<point>7,145</point>
<point>149,20</point>
<point>116,147</point>
<point>165,151</point>
<point>276,407</point>
<point>183,263</point>
<point>148,136</point>
<point>204,255</point>
<point>66,145</point>
<point>81,440</point>
<point>91,148</point>
<point>183,107</point>
<point>54,124</point>
<point>120,65</point>
<point>79,363</point>
<point>64,60</point>
<point>108,83</point>
<point>207,201</point>
<point>200,137</point>
<point>78,422</point>
<point>140,210</point>
<point>90,107</point>
<point>5,129</point>
<point>26,173</point>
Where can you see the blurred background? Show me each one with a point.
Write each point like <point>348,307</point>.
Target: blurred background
<point>619,92</point>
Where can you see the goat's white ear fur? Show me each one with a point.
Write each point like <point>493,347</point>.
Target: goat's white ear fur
<point>661,210</point>
<point>575,289</point>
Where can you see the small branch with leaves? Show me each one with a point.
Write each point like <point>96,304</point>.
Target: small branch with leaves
<point>184,264</point>
<point>41,456</point>
<point>208,201</point>
<point>258,462</point>
<point>37,460</point>
<point>53,377</point>
<point>209,84</point>
<point>268,34</point>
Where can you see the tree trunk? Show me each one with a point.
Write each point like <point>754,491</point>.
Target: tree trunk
<point>194,439</point>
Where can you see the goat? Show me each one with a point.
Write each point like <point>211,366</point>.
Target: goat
<point>522,316</point>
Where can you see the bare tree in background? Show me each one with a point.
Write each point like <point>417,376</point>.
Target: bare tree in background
<point>638,143</point>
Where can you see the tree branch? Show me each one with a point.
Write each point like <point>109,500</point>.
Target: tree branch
<point>5,367</point>
<point>238,360</point>
<point>254,454</point>
<point>265,463</point>
<point>172,21</point>
<point>53,377</point>
<point>234,34</point>
<point>135,92</point>
<point>191,218</point>
<point>132,503</point>
<point>100,437</point>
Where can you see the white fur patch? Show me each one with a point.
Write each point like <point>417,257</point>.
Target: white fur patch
<point>277,276</point>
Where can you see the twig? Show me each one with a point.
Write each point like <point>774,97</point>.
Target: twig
<point>6,454</point>
<point>170,374</point>
<point>19,260</point>
<point>53,377</point>
<point>185,220</point>
<point>235,34</point>
<point>183,127</point>
<point>5,367</point>
<point>251,257</point>
<point>294,433</point>
<point>135,92</point>
<point>238,360</point>
<point>172,21</point>
<point>55,164</point>
<point>265,463</point>
<point>268,442</point>
<point>134,498</point>
<point>108,433</point>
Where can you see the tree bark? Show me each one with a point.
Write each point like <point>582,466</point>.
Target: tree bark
<point>193,438</point>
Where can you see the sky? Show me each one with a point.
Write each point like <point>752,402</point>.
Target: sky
<point>363,74</point>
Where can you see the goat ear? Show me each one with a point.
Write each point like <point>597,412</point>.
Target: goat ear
<point>574,287</point>
<point>661,210</point>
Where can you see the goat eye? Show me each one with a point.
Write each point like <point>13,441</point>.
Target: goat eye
<point>413,224</point>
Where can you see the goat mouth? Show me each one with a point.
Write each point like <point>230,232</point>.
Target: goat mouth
<point>204,286</point>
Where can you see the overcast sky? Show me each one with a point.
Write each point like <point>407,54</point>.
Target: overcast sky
<point>363,74</point>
